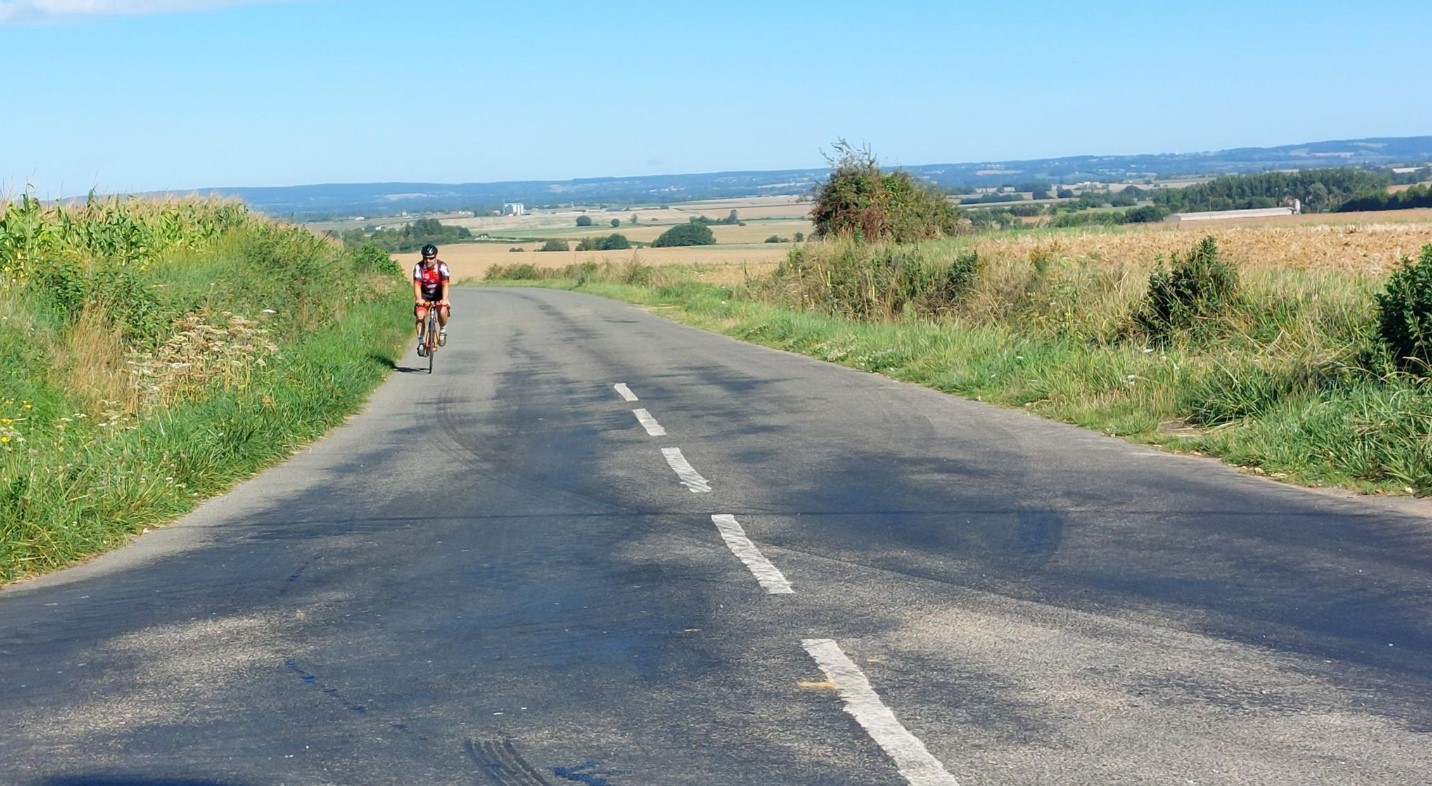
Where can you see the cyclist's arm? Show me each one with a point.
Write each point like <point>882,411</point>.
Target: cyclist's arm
<point>444,294</point>
<point>417,291</point>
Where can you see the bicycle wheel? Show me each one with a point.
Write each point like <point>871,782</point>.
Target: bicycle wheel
<point>430,336</point>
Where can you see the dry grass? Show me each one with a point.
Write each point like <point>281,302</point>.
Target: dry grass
<point>92,363</point>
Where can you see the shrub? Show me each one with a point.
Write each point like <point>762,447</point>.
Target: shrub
<point>616,222</point>
<point>584,220</point>
<point>688,234</point>
<point>1190,294</point>
<point>861,201</point>
<point>554,245</point>
<point>370,258</point>
<point>1404,312</point>
<point>615,242</point>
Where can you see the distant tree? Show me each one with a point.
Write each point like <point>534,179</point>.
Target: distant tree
<point>615,242</point>
<point>1065,193</point>
<point>584,220</point>
<point>732,218</point>
<point>800,237</point>
<point>1147,214</point>
<point>554,245</point>
<point>616,222</point>
<point>692,233</point>
<point>634,218</point>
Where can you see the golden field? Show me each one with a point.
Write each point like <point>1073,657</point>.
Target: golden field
<point>1368,243</point>
<point>717,264</point>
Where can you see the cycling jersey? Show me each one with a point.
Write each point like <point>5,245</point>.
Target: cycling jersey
<point>432,279</point>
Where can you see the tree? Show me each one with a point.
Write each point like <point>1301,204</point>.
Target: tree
<point>800,237</point>
<point>554,245</point>
<point>584,220</point>
<point>614,242</point>
<point>616,222</point>
<point>691,233</point>
<point>862,201</point>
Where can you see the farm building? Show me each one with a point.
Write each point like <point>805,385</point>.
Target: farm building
<point>1224,215</point>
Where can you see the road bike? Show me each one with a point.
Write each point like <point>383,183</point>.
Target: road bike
<point>432,334</point>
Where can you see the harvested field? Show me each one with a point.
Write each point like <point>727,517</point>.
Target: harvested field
<point>719,264</point>
<point>1369,243</point>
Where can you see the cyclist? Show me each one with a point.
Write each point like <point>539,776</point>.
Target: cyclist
<point>430,289</point>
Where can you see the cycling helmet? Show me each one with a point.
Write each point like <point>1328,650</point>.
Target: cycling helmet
<point>429,250</point>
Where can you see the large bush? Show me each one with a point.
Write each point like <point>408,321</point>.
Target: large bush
<point>1190,295</point>
<point>688,234</point>
<point>1404,312</point>
<point>861,201</point>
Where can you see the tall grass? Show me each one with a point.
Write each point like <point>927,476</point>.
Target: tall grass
<point>152,353</point>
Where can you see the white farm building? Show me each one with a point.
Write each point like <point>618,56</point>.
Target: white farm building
<point>1225,215</point>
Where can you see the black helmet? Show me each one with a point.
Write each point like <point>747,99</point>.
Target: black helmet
<point>430,250</point>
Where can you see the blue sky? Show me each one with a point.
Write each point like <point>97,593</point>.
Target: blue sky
<point>137,95</point>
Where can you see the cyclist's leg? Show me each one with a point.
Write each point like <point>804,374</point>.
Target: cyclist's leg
<point>421,312</point>
<point>443,313</point>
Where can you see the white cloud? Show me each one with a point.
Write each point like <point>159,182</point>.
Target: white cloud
<point>29,11</point>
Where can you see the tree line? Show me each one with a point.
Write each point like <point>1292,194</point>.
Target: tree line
<point>409,237</point>
<point>1319,190</point>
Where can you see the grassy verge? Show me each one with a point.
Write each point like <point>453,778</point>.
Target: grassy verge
<point>144,374</point>
<point>1288,377</point>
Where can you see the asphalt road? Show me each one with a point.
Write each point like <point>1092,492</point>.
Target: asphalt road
<point>776,572</point>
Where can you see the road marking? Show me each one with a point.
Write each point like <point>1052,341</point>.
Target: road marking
<point>689,477</point>
<point>625,391</point>
<point>861,702</point>
<point>649,423</point>
<point>767,574</point>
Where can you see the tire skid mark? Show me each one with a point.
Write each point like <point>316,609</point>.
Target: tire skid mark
<point>502,764</point>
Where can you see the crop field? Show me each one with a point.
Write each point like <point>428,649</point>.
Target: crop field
<point>1366,243</point>
<point>716,264</point>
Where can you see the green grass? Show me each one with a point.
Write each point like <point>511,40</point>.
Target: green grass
<point>223,355</point>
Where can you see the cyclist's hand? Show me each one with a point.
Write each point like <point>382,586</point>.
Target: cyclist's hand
<point>444,303</point>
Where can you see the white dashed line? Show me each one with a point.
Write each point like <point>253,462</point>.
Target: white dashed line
<point>649,423</point>
<point>689,477</point>
<point>767,574</point>
<point>625,391</point>
<point>861,702</point>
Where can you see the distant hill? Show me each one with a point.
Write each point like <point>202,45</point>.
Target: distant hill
<point>390,198</point>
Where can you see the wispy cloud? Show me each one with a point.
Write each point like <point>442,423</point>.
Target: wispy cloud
<point>35,11</point>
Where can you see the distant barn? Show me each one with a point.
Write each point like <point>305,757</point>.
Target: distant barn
<point>1225,215</point>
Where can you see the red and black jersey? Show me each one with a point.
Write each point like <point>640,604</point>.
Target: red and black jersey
<point>432,278</point>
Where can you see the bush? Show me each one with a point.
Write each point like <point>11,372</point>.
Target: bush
<point>1404,312</point>
<point>616,222</point>
<point>554,245</point>
<point>613,242</point>
<point>689,234</point>
<point>370,258</point>
<point>1189,295</point>
<point>584,220</point>
<point>861,201</point>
